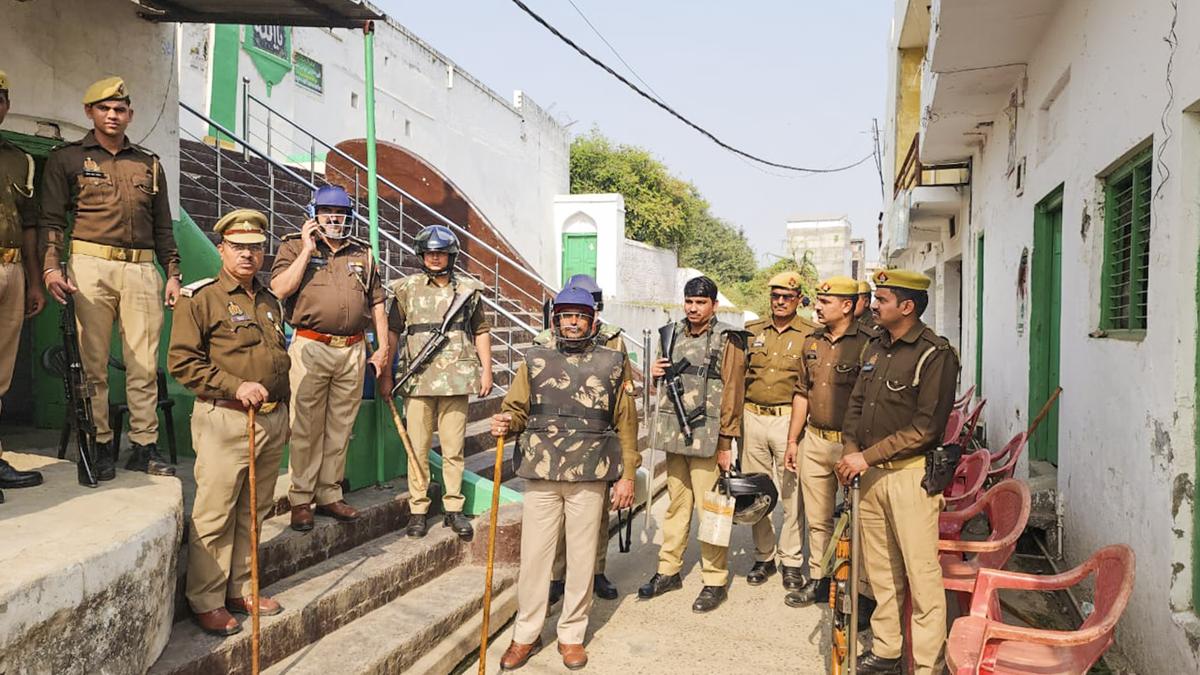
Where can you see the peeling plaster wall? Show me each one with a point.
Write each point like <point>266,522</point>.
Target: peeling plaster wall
<point>1096,91</point>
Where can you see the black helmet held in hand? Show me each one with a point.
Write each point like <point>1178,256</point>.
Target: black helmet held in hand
<point>754,495</point>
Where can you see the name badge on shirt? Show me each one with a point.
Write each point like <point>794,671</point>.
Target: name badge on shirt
<point>236,314</point>
<point>92,170</point>
<point>317,262</point>
<point>759,342</point>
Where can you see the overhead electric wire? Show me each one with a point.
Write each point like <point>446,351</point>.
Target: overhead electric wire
<point>671,111</point>
<point>612,48</point>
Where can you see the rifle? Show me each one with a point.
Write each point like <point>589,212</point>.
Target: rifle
<point>673,381</point>
<point>78,393</point>
<point>843,589</point>
<point>436,341</point>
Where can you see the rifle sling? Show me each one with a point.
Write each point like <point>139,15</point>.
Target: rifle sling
<point>415,328</point>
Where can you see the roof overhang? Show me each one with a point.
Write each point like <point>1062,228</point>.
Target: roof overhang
<point>976,57</point>
<point>320,13</point>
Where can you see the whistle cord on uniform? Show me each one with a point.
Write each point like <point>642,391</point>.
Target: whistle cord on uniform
<point>671,111</point>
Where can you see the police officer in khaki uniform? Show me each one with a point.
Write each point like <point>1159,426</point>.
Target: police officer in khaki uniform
<point>829,369</point>
<point>714,386</point>
<point>772,364</point>
<point>117,193</point>
<point>330,287</point>
<point>20,280</point>
<point>578,432</point>
<point>862,309</point>
<point>227,348</point>
<point>442,388</point>
<point>897,413</point>
<point>604,335</point>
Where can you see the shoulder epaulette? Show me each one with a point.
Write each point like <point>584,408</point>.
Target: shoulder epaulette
<point>290,236</point>
<point>192,288</point>
<point>757,323</point>
<point>67,144</point>
<point>609,331</point>
<point>144,151</point>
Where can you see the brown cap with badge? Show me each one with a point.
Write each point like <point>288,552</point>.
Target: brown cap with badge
<point>110,88</point>
<point>864,288</point>
<point>3,81</point>
<point>242,226</point>
<point>897,278</point>
<point>789,280</point>
<point>843,286</point>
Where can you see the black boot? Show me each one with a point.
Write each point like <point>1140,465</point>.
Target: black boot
<point>793,577</point>
<point>603,588</point>
<point>659,584</point>
<point>1,496</point>
<point>869,664</point>
<point>760,573</point>
<point>10,477</point>
<point>709,599</point>
<point>145,458</point>
<point>557,588</point>
<point>416,526</point>
<point>459,523</point>
<point>816,591</point>
<point>103,465</point>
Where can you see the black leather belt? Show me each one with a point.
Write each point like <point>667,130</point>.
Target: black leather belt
<point>570,411</point>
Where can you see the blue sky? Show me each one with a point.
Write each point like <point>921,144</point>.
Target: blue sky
<point>794,81</point>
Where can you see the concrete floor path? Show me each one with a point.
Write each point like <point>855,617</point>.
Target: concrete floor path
<point>753,632</point>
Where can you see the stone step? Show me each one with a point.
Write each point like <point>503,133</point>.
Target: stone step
<point>318,601</point>
<point>394,637</point>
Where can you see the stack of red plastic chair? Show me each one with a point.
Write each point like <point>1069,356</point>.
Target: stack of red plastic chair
<point>1006,507</point>
<point>983,643</point>
<point>968,431</point>
<point>968,480</point>
<point>1004,463</point>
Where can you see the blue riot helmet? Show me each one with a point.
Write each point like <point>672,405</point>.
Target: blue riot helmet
<point>333,197</point>
<point>587,283</point>
<point>571,300</point>
<point>436,238</point>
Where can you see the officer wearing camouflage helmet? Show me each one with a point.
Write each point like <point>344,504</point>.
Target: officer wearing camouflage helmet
<point>713,393</point>
<point>773,361</point>
<point>604,335</point>
<point>441,389</point>
<point>331,293</point>
<point>578,432</point>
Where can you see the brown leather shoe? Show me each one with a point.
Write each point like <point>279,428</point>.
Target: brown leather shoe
<point>574,656</point>
<point>339,510</point>
<point>302,518</point>
<point>218,622</point>
<point>266,606</point>
<point>518,654</point>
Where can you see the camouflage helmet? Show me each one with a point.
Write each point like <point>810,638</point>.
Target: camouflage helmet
<point>436,238</point>
<point>573,300</point>
<point>587,283</point>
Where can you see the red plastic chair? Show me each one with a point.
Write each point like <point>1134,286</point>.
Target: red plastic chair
<point>968,480</point>
<point>1006,507</point>
<point>962,401</point>
<point>1004,463</point>
<point>954,426</point>
<point>968,432</point>
<point>982,643</point>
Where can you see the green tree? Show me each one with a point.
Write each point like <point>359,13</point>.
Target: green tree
<point>720,250</point>
<point>754,295</point>
<point>660,209</point>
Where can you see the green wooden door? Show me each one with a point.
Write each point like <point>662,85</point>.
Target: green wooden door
<point>579,255</point>
<point>1045,323</point>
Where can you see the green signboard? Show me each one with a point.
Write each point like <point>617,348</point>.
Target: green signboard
<point>270,48</point>
<point>309,74</point>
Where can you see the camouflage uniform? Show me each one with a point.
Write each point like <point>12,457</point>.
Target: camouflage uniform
<point>443,387</point>
<point>607,335</point>
<point>715,384</point>
<point>578,430</point>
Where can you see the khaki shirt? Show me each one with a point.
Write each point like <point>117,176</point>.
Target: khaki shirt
<point>338,288</point>
<point>516,403</point>
<point>897,411</point>
<point>773,360</point>
<point>117,200</point>
<point>222,336</point>
<point>828,372</point>
<point>866,323</point>
<point>18,211</point>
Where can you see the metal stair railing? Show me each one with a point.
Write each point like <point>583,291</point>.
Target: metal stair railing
<point>506,350</point>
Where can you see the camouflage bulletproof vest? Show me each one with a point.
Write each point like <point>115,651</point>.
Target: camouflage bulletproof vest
<point>454,369</point>
<point>702,390</point>
<point>570,434</point>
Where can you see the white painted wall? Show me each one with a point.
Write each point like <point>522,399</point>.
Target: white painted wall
<point>828,240</point>
<point>603,214</point>
<point>647,272</point>
<point>54,50</point>
<point>1127,461</point>
<point>509,158</point>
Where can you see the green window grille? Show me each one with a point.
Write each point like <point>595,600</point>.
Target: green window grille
<point>1125,278</point>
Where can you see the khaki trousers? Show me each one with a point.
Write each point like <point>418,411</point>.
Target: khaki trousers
<point>451,414</point>
<point>552,507</point>
<point>819,485</point>
<point>900,533</point>
<point>130,295</point>
<point>688,479</point>
<point>764,439</point>
<point>219,546</point>
<point>560,553</point>
<point>326,394</point>
<point>12,314</point>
